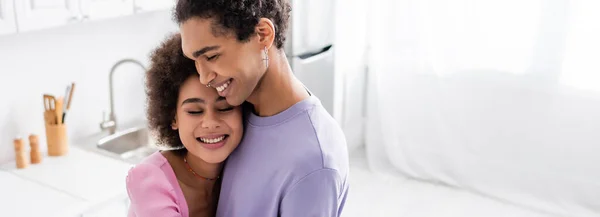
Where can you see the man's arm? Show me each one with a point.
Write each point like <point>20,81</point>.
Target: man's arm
<point>317,194</point>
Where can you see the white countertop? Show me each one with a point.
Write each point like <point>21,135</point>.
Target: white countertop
<point>21,197</point>
<point>62,186</point>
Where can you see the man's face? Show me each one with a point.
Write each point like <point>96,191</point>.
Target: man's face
<point>232,67</point>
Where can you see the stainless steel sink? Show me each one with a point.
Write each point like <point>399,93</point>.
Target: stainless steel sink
<point>131,145</point>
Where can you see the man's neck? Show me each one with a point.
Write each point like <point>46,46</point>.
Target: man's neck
<point>279,89</point>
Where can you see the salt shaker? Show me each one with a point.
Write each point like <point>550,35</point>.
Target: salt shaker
<point>35,155</point>
<point>20,155</point>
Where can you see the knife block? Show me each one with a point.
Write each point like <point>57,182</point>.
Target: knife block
<point>57,140</point>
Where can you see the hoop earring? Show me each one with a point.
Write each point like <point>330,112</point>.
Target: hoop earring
<point>266,58</point>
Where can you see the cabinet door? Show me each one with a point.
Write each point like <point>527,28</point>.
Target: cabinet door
<point>42,14</point>
<point>102,9</point>
<point>7,17</point>
<point>153,5</point>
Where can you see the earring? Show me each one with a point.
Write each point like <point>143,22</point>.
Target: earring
<point>266,58</point>
<point>208,85</point>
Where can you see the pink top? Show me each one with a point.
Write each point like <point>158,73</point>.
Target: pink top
<point>153,189</point>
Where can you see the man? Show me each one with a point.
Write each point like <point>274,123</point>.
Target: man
<point>293,160</point>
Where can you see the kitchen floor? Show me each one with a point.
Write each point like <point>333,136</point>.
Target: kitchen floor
<point>379,195</point>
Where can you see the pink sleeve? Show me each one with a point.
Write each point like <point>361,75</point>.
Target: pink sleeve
<point>150,193</point>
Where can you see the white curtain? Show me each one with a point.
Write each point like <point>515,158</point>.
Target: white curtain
<point>496,97</point>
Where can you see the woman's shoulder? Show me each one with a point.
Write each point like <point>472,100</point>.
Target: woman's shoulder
<point>152,172</point>
<point>151,186</point>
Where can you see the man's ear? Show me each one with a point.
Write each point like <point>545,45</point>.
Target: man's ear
<point>265,29</point>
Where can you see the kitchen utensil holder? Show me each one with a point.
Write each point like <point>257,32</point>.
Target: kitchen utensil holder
<point>57,140</point>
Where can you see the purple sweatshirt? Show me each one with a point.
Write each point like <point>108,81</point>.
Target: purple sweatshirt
<point>294,163</point>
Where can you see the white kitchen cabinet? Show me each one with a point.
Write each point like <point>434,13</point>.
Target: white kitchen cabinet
<point>42,14</point>
<point>7,17</point>
<point>27,15</point>
<point>102,9</point>
<point>153,5</point>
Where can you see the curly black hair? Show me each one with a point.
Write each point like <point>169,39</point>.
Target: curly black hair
<point>169,69</point>
<point>241,16</point>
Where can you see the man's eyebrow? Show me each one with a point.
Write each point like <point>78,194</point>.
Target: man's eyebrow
<point>198,53</point>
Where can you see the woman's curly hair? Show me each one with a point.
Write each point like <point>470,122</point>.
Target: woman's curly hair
<point>241,16</point>
<point>169,69</point>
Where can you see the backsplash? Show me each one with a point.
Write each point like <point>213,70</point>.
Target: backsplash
<point>39,62</point>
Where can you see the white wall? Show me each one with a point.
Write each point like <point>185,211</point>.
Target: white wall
<point>35,63</point>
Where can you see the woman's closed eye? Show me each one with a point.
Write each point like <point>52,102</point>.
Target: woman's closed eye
<point>192,112</point>
<point>226,109</point>
<point>199,112</point>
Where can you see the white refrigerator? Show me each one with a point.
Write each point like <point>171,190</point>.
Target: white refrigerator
<point>310,48</point>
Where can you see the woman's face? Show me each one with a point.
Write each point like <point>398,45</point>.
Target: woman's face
<point>209,127</point>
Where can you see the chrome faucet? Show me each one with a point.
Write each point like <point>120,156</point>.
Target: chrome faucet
<point>111,123</point>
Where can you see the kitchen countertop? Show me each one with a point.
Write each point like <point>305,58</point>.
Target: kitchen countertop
<point>21,197</point>
<point>69,185</point>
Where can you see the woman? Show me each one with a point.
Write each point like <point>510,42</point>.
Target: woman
<point>198,130</point>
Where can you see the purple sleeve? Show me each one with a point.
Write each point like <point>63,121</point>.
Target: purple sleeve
<point>150,193</point>
<point>317,194</point>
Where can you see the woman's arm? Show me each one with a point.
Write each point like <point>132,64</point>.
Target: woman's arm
<point>150,193</point>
